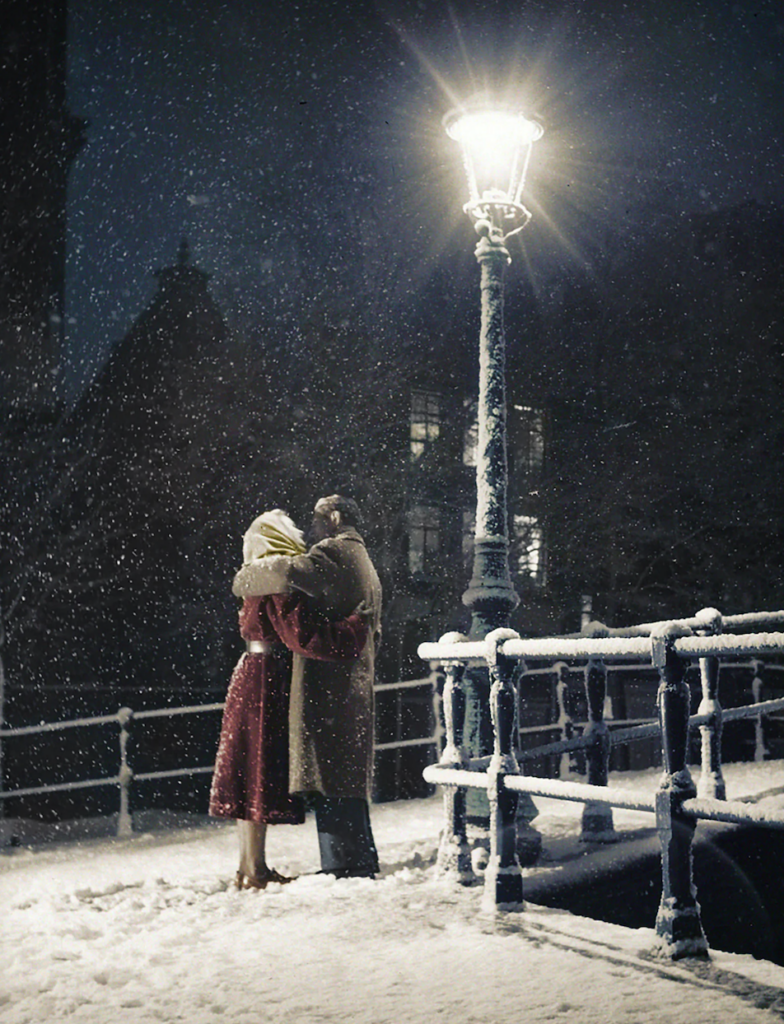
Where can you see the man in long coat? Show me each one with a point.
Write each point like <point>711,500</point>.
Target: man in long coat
<point>331,718</point>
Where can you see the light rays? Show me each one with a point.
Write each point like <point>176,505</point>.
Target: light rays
<point>522,66</point>
<point>592,173</point>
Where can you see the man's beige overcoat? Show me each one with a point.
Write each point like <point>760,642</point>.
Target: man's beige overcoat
<point>331,714</point>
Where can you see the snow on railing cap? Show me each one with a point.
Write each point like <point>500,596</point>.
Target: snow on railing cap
<point>710,619</point>
<point>453,638</point>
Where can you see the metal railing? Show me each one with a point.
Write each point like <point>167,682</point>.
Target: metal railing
<point>125,777</point>
<point>670,647</point>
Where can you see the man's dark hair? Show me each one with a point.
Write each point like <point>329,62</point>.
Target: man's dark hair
<point>347,509</point>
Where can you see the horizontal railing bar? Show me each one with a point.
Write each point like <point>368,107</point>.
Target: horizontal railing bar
<point>695,622</point>
<point>648,730</point>
<point>744,643</point>
<point>396,744</point>
<point>735,811</point>
<point>171,712</point>
<point>617,736</point>
<point>614,725</point>
<point>172,773</point>
<point>446,776</point>
<point>468,652</point>
<point>747,711</point>
<point>59,787</point>
<point>634,733</point>
<point>404,685</point>
<point>606,647</point>
<point>553,727</point>
<point>557,747</point>
<point>580,791</point>
<point>752,618</point>
<point>477,650</point>
<point>73,723</point>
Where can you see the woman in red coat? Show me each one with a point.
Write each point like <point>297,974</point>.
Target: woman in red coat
<point>251,778</point>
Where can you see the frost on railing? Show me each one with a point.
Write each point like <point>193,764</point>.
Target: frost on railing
<point>670,648</point>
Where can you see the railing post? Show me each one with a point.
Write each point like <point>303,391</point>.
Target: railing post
<point>678,925</point>
<point>711,782</point>
<point>454,854</point>
<point>125,775</point>
<point>597,816</point>
<point>564,718</point>
<point>503,888</point>
<point>528,842</point>
<point>760,751</point>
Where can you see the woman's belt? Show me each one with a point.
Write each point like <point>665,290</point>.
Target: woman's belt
<point>260,646</point>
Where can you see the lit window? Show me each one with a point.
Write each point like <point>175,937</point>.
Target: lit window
<point>529,545</point>
<point>529,440</point>
<point>425,421</point>
<point>424,538</point>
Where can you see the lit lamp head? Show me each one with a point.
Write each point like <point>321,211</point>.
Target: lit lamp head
<point>496,145</point>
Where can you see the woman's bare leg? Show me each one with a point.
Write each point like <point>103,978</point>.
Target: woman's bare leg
<point>254,873</point>
<point>253,842</point>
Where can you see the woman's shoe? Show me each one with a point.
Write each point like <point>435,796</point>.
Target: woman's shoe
<point>243,881</point>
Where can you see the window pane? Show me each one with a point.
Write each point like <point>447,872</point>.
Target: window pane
<point>424,538</point>
<point>528,441</point>
<point>425,421</point>
<point>529,538</point>
<point>416,550</point>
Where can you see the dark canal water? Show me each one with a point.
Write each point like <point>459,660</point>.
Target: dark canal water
<point>738,872</point>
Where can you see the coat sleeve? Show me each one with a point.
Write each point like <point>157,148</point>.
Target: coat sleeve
<point>314,573</point>
<point>307,632</point>
<point>262,576</point>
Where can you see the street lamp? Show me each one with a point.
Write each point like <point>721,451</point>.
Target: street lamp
<point>496,145</point>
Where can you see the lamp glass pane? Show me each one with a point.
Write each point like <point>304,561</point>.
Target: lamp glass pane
<point>493,141</point>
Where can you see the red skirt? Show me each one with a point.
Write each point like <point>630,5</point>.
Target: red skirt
<point>251,779</point>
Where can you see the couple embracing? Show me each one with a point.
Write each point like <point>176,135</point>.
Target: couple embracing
<point>299,715</point>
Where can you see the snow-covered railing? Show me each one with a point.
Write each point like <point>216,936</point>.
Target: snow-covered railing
<point>670,647</point>
<point>706,619</point>
<point>125,777</point>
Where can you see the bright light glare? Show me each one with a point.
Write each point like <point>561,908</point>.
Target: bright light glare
<point>487,131</point>
<point>494,144</point>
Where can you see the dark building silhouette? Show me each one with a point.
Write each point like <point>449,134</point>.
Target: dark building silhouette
<point>39,140</point>
<point>144,429</point>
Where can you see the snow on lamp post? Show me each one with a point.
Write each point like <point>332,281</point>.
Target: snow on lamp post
<point>496,146</point>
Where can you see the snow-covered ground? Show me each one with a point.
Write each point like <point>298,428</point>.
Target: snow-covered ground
<point>149,929</point>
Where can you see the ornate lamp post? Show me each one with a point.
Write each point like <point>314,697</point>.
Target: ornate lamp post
<point>496,145</point>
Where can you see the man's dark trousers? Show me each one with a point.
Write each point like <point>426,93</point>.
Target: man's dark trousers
<point>345,837</point>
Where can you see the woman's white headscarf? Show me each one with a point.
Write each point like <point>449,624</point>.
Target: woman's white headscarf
<point>273,533</point>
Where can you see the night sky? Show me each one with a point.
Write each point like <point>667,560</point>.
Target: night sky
<point>255,127</point>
